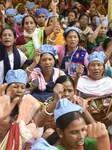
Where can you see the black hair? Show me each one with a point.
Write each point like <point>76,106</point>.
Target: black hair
<point>106,42</point>
<point>63,121</point>
<point>73,23</point>
<point>63,79</point>
<point>11,29</point>
<point>72,11</point>
<point>53,138</point>
<point>94,16</point>
<point>84,15</point>
<point>65,34</point>
<point>23,20</point>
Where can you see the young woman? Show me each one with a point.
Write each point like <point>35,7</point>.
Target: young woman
<point>72,130</point>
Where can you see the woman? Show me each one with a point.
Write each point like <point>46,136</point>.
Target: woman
<point>9,129</point>
<point>95,84</point>
<point>99,35</point>
<point>34,37</point>
<point>71,55</point>
<point>44,77</point>
<point>10,56</point>
<point>71,129</point>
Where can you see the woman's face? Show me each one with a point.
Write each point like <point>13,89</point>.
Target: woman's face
<point>103,30</point>
<point>96,70</point>
<point>68,89</point>
<point>72,39</point>
<point>7,38</point>
<point>18,90</point>
<point>41,19</point>
<point>84,21</point>
<point>47,62</point>
<point>73,136</point>
<point>29,25</point>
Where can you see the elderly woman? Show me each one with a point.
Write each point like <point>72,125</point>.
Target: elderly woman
<point>96,85</point>
<point>71,129</point>
<point>34,37</point>
<point>10,130</point>
<point>44,77</point>
<point>71,55</point>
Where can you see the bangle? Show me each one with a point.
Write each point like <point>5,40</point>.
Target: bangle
<point>51,40</point>
<point>54,16</point>
<point>46,112</point>
<point>28,69</point>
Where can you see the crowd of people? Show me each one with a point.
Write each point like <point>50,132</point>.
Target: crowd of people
<point>55,75</point>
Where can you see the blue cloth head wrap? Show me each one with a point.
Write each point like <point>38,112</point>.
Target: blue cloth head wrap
<point>16,76</point>
<point>99,56</point>
<point>64,106</point>
<point>30,5</point>
<point>11,11</point>
<point>41,11</point>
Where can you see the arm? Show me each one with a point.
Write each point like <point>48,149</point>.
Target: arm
<point>99,131</point>
<point>36,60</point>
<point>50,29</point>
<point>43,116</point>
<point>92,38</point>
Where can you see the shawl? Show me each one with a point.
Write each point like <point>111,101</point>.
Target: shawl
<point>37,37</point>
<point>5,58</point>
<point>95,87</point>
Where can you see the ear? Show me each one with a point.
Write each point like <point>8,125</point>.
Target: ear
<point>60,132</point>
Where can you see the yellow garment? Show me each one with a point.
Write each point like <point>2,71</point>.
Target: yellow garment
<point>109,10</point>
<point>59,39</point>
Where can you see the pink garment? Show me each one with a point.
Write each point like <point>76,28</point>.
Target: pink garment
<point>27,108</point>
<point>18,32</point>
<point>38,80</point>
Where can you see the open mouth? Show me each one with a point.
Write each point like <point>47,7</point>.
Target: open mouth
<point>81,143</point>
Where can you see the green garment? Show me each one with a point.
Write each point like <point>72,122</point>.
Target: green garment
<point>61,147</point>
<point>98,41</point>
<point>35,43</point>
<point>90,144</point>
<point>7,25</point>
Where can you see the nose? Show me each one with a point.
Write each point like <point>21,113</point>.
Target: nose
<point>66,93</point>
<point>81,135</point>
<point>96,67</point>
<point>19,89</point>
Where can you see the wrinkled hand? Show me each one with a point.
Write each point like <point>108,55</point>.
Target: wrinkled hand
<point>56,30</point>
<point>36,58</point>
<point>96,130</point>
<point>79,70</point>
<point>79,101</point>
<point>101,19</point>
<point>108,119</point>
<point>54,3</point>
<point>58,91</point>
<point>5,102</point>
<point>8,3</point>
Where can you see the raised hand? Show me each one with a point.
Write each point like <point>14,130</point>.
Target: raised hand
<point>58,91</point>
<point>36,58</point>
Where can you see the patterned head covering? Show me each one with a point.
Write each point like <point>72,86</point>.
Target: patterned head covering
<point>73,28</point>
<point>41,11</point>
<point>46,48</point>
<point>11,11</point>
<point>99,56</point>
<point>16,76</point>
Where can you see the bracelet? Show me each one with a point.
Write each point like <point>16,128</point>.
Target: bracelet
<point>28,69</point>
<point>46,112</point>
<point>52,40</point>
<point>54,16</point>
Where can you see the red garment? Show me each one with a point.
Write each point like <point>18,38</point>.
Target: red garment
<point>81,148</point>
<point>13,137</point>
